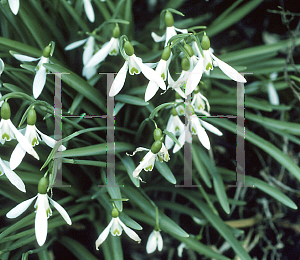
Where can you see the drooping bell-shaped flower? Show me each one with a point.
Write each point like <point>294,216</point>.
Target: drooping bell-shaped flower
<point>175,126</point>
<point>115,227</point>
<point>33,135</point>
<point>14,6</point>
<point>43,211</point>
<point>154,241</point>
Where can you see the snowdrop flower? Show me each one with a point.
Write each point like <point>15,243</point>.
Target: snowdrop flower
<point>175,126</point>
<point>14,6</point>
<point>8,131</point>
<point>115,227</point>
<point>88,8</point>
<point>199,102</point>
<point>43,211</point>
<point>197,126</point>
<point>111,48</point>
<point>272,93</point>
<point>11,175</point>
<point>1,71</point>
<point>135,66</point>
<point>180,249</point>
<point>41,72</point>
<point>170,29</point>
<point>89,47</point>
<point>162,69</point>
<point>32,134</point>
<point>208,65</point>
<point>154,240</point>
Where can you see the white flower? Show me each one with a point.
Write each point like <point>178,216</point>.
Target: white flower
<point>88,8</point>
<point>196,126</point>
<point>135,66</point>
<point>32,134</point>
<point>198,103</point>
<point>8,132</point>
<point>43,212</point>
<point>228,70</point>
<point>162,70</point>
<point>147,163</point>
<point>154,240</point>
<point>115,227</point>
<point>170,32</point>
<point>41,72</point>
<point>111,48</point>
<point>175,126</point>
<point>11,176</point>
<point>180,249</point>
<point>1,66</point>
<point>89,47</point>
<point>14,6</point>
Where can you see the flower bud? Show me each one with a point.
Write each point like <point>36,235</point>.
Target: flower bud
<point>5,111</point>
<point>174,112</point>
<point>166,53</point>
<point>156,146</point>
<point>128,48</point>
<point>116,31</point>
<point>43,185</point>
<point>157,133</point>
<point>185,64</point>
<point>205,43</point>
<point>31,117</point>
<point>189,49</point>
<point>115,213</point>
<point>169,19</point>
<point>47,51</point>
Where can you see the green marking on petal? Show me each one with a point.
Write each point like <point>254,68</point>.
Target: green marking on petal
<point>113,52</point>
<point>48,211</point>
<point>163,76</point>
<point>149,168</point>
<point>34,142</point>
<point>37,67</point>
<point>193,131</point>
<point>208,66</point>
<point>134,70</point>
<point>177,128</point>
<point>116,232</point>
<point>5,135</point>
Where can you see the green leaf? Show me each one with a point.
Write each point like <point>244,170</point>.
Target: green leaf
<point>115,193</point>
<point>128,221</point>
<point>130,167</point>
<point>165,171</point>
<point>131,100</point>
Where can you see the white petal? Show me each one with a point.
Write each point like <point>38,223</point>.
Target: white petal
<point>151,74</point>
<point>170,32</point>
<point>211,128</point>
<point>75,44</point>
<point>151,90</point>
<point>147,164</point>
<point>272,93</point>
<point>20,208</point>
<point>12,176</point>
<point>21,57</point>
<point>116,229</point>
<point>180,249</point>
<point>181,30</point>
<point>17,157</point>
<point>61,210</point>
<point>41,222</point>
<point>181,140</point>
<point>89,72</point>
<point>14,6</point>
<point>101,54</point>
<point>229,71</point>
<point>50,141</point>
<point>129,232</point>
<point>202,135</point>
<point>157,38</point>
<point>89,10</point>
<point>151,243</point>
<point>88,50</point>
<point>103,235</point>
<point>160,242</point>
<point>39,81</point>
<point>139,149</point>
<point>23,141</point>
<point>119,80</point>
<point>194,77</point>
<point>1,67</point>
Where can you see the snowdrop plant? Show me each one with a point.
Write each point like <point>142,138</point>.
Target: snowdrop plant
<point>43,211</point>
